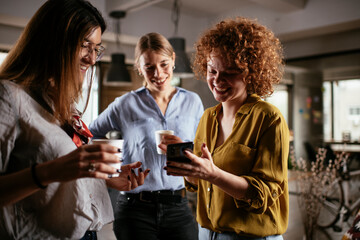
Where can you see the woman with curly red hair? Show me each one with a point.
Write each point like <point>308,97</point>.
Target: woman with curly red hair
<point>239,163</point>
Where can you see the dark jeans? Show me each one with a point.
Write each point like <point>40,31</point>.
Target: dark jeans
<point>139,220</point>
<point>206,234</point>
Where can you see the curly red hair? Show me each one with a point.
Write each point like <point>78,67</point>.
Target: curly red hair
<point>249,46</point>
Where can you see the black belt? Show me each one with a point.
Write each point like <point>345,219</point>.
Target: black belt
<point>162,196</point>
<point>89,235</point>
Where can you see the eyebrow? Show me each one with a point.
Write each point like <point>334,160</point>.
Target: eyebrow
<point>163,61</point>
<point>87,40</point>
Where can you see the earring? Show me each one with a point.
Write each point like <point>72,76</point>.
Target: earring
<point>174,67</point>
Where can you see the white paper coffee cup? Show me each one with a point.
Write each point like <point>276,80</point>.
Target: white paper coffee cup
<point>116,143</point>
<point>158,136</point>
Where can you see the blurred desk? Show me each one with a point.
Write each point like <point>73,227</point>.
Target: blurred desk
<point>350,147</point>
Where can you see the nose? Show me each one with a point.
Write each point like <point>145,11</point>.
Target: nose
<point>93,57</point>
<point>157,72</point>
<point>217,78</point>
<point>90,57</point>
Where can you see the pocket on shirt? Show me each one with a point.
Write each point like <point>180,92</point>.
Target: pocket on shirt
<point>235,158</point>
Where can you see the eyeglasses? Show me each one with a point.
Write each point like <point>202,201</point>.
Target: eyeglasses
<point>87,49</point>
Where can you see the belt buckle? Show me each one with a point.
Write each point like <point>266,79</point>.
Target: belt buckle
<point>142,199</point>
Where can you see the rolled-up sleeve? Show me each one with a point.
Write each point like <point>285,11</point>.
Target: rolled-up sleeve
<point>270,169</point>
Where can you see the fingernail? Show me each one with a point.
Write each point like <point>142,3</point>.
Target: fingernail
<point>140,169</point>
<point>128,177</point>
<point>203,145</point>
<point>165,168</point>
<point>132,170</point>
<point>121,160</point>
<point>148,170</point>
<point>168,163</point>
<point>118,170</point>
<point>110,176</point>
<point>119,150</point>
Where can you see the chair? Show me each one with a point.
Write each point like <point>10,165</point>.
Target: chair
<point>310,151</point>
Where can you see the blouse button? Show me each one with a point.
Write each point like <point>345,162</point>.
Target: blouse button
<point>90,195</point>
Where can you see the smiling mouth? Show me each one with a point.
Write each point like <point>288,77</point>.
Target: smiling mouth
<point>83,68</point>
<point>159,81</point>
<point>221,90</point>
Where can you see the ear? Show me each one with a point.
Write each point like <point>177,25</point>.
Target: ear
<point>173,58</point>
<point>138,69</point>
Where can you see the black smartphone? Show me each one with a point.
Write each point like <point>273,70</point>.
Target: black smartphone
<point>175,152</point>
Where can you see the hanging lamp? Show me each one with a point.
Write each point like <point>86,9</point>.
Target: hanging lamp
<point>182,63</point>
<point>118,73</point>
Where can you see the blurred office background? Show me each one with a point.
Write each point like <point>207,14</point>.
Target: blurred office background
<point>319,94</point>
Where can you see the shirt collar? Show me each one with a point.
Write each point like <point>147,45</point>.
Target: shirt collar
<point>143,89</point>
<point>249,103</point>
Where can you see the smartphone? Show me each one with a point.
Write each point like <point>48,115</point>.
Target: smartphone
<point>175,152</point>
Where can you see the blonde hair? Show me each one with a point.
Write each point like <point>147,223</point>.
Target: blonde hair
<point>154,42</point>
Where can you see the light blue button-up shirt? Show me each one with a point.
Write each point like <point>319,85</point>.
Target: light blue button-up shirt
<point>137,116</point>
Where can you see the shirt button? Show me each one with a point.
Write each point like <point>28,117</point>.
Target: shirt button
<point>208,189</point>
<point>90,195</point>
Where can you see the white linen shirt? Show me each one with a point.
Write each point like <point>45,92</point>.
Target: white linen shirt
<point>29,134</point>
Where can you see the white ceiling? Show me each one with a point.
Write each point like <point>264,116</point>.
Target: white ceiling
<point>206,8</point>
<point>216,7</point>
<point>306,27</point>
<point>289,19</point>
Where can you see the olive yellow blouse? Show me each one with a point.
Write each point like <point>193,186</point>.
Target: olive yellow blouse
<point>257,149</point>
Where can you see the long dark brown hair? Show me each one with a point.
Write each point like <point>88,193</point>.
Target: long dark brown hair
<point>45,59</point>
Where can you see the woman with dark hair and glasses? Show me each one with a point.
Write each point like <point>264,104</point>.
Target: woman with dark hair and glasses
<point>53,185</point>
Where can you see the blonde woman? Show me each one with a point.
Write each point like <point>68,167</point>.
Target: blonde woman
<point>159,208</point>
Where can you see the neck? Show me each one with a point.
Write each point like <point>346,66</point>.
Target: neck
<point>230,108</point>
<point>163,96</point>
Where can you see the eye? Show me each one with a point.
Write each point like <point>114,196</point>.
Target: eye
<point>85,45</point>
<point>149,68</point>
<point>210,71</point>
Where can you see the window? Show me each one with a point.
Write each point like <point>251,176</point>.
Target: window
<point>341,109</point>
<point>2,57</point>
<point>92,110</point>
<point>280,98</point>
